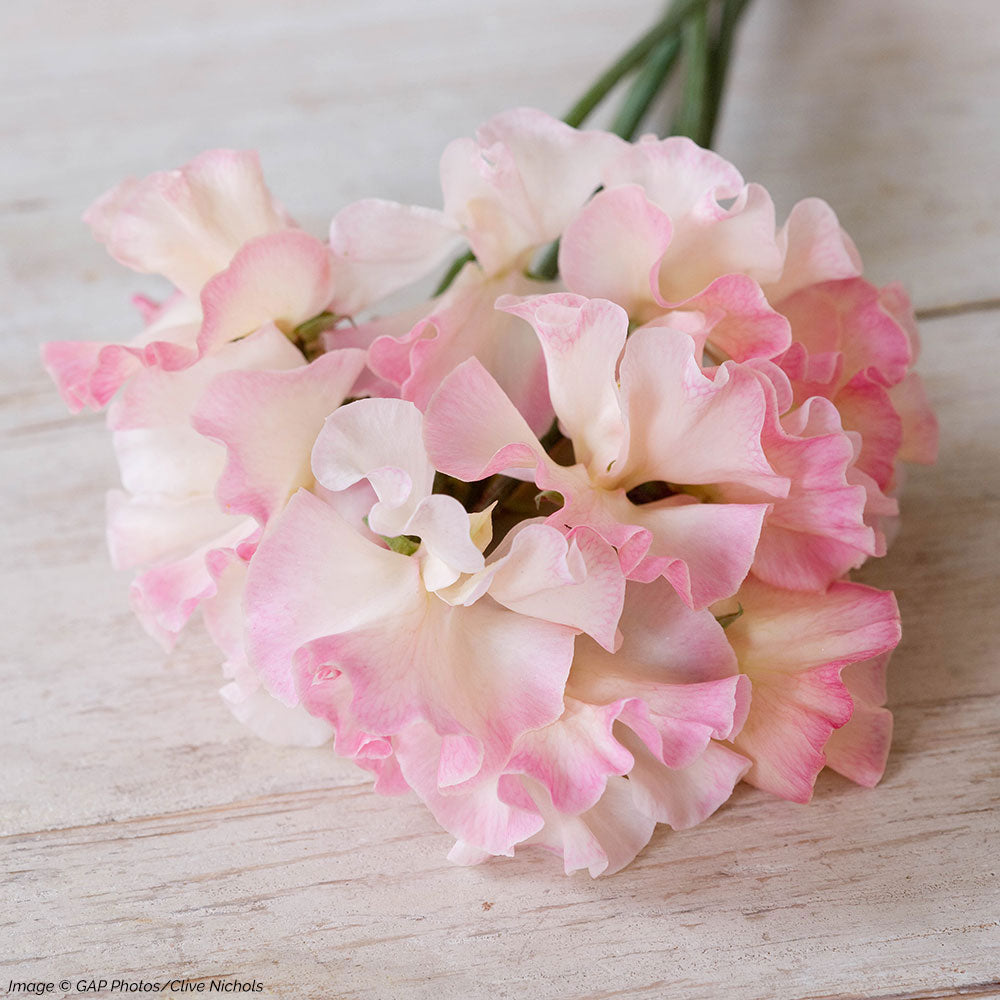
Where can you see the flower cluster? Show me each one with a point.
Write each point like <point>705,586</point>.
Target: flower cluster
<point>561,550</point>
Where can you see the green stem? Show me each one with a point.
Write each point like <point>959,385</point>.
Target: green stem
<point>660,45</point>
<point>692,117</point>
<point>646,87</point>
<point>707,56</point>
<point>452,273</point>
<point>547,268</point>
<point>631,59</point>
<point>732,11</point>
<point>307,335</point>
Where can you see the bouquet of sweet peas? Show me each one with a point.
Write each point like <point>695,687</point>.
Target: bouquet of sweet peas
<point>563,548</point>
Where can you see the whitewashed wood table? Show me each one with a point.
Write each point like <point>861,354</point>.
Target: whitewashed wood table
<point>146,836</point>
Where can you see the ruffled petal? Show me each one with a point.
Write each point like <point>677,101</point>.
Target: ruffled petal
<point>313,576</point>
<point>866,407</point>
<point>152,527</point>
<point>326,694</point>
<point>736,320</point>
<point>704,550</point>
<point>689,427</point>
<point>612,249</point>
<point>919,425</point>
<point>574,757</point>
<point>472,429</point>
<point>848,317</point>
<point>683,797</point>
<point>464,324</point>
<point>896,302</point>
<point>381,246</point>
<point>381,440</point>
<point>268,421</point>
<point>480,673</point>
<point>582,340</point>
<point>604,839</point>
<point>818,532</point>
<point>158,449</point>
<point>794,647</point>
<point>282,278</point>
<point>674,680</point>
<point>167,521</point>
<point>678,175</point>
<point>166,594</point>
<point>689,185</point>
<point>89,373</point>
<point>860,748</point>
<point>187,224</point>
<point>486,821</point>
<point>669,690</point>
<point>275,722</point>
<point>816,249</point>
<point>517,185</point>
<point>665,642</point>
<point>573,579</point>
<point>742,241</point>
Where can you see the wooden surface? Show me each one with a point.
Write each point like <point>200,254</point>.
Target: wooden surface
<point>146,835</point>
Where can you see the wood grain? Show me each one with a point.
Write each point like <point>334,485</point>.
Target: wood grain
<point>146,835</point>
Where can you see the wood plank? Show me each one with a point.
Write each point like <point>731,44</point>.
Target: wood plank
<point>148,835</point>
<point>158,785</point>
<point>943,567</point>
<point>328,892</point>
<point>889,111</point>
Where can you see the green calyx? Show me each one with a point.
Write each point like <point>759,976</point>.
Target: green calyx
<point>405,545</point>
<point>726,620</point>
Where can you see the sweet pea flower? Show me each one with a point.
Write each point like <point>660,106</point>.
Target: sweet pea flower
<point>510,191</point>
<point>209,455</point>
<point>344,493</point>
<point>214,231</point>
<point>817,664</point>
<point>660,238</point>
<point>238,262</point>
<point>677,238</point>
<point>854,345</point>
<point>655,710</point>
<point>246,278</point>
<point>656,418</point>
<point>182,498</point>
<point>402,617</point>
<point>378,645</point>
<point>243,693</point>
<point>831,519</point>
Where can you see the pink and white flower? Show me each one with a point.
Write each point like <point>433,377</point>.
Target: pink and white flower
<point>187,225</point>
<point>422,631</point>
<point>463,680</point>
<point>655,710</point>
<point>238,263</point>
<point>817,665</point>
<point>510,191</point>
<point>246,278</point>
<point>733,403</point>
<point>655,418</point>
<point>182,499</point>
<point>677,238</point>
